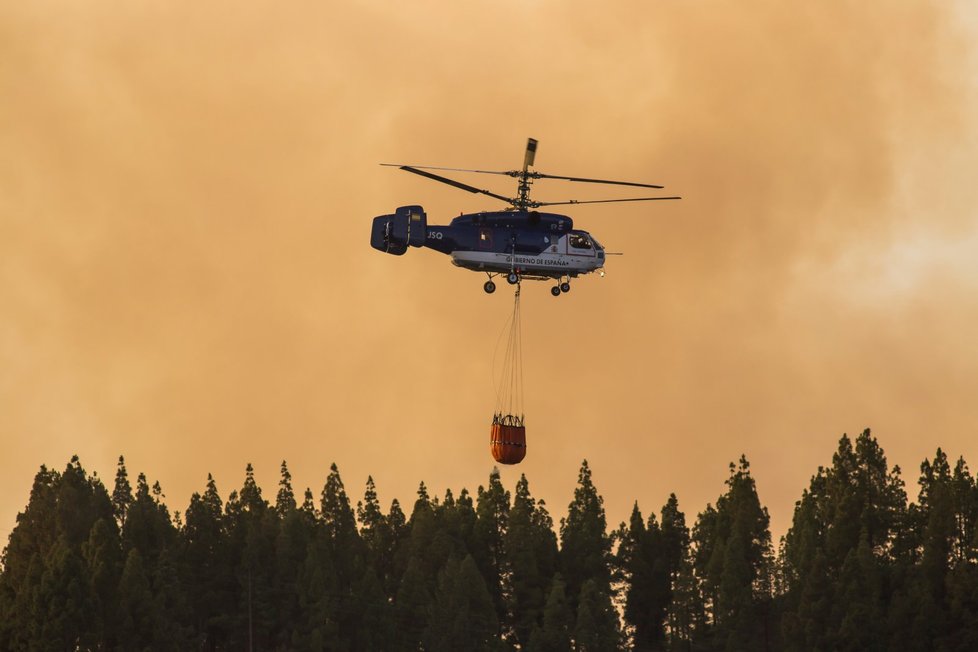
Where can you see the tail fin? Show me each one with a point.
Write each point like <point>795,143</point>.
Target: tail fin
<point>393,233</point>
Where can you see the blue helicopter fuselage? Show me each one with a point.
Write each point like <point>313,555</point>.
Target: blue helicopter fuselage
<point>529,243</point>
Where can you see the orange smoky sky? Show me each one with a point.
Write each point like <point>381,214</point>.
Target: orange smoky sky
<point>186,192</point>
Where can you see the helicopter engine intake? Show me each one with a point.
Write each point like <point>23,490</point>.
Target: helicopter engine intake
<point>393,234</point>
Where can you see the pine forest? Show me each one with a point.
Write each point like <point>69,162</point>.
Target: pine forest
<point>862,567</point>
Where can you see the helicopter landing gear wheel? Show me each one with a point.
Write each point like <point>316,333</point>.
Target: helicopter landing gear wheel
<point>513,278</point>
<point>555,290</point>
<point>565,287</point>
<point>489,287</point>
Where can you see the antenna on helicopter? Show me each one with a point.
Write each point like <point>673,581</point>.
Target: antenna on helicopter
<point>531,152</point>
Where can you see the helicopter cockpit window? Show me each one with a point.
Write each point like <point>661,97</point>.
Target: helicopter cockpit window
<point>580,241</point>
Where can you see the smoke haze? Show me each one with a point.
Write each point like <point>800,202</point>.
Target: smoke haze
<point>185,277</point>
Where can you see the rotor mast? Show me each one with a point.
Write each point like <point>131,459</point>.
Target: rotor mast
<point>523,189</point>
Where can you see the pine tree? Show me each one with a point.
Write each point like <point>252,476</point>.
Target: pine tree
<point>172,629</point>
<point>644,565</point>
<point>804,571</point>
<point>397,520</point>
<point>375,629</point>
<point>554,635</point>
<point>251,501</point>
<point>859,609</point>
<point>339,525</point>
<point>964,493</point>
<point>381,536</point>
<point>425,546</point>
<point>684,609</point>
<point>121,493</point>
<point>345,547</point>
<point>860,493</point>
<point>31,539</point>
<point>675,534</point>
<point>372,521</point>
<point>308,507</point>
<point>102,555</point>
<point>411,606</point>
<point>734,560</point>
<point>257,580</point>
<point>961,632</point>
<point>457,528</point>
<point>252,529</point>
<point>47,594</point>
<point>937,512</point>
<point>208,574</point>
<point>531,560</point>
<point>148,526</point>
<point>705,545</point>
<point>63,611</point>
<point>295,533</point>
<point>885,500</point>
<point>423,498</point>
<point>857,501</point>
<point>285,500</point>
<point>462,615</point>
<point>319,629</point>
<point>491,526</point>
<point>149,531</point>
<point>63,607</point>
<point>136,608</point>
<point>399,531</point>
<point>922,610</point>
<point>76,505</point>
<point>686,616</point>
<point>585,545</point>
<point>596,626</point>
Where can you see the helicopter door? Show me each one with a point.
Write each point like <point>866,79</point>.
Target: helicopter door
<point>485,239</point>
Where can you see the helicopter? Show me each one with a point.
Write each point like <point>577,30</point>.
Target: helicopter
<point>519,242</point>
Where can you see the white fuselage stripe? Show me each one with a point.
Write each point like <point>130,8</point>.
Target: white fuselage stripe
<point>548,263</point>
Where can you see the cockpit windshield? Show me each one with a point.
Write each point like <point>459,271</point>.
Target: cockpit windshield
<point>580,241</point>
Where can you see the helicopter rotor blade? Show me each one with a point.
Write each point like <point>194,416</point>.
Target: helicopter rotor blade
<point>452,182</point>
<point>599,201</point>
<point>540,175</point>
<point>509,173</point>
<point>531,175</point>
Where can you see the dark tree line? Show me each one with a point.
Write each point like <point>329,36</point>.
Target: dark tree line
<point>87,568</point>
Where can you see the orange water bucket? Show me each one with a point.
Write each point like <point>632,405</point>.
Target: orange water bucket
<point>507,443</point>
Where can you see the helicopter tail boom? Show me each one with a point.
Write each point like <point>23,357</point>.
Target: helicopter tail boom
<point>392,234</point>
